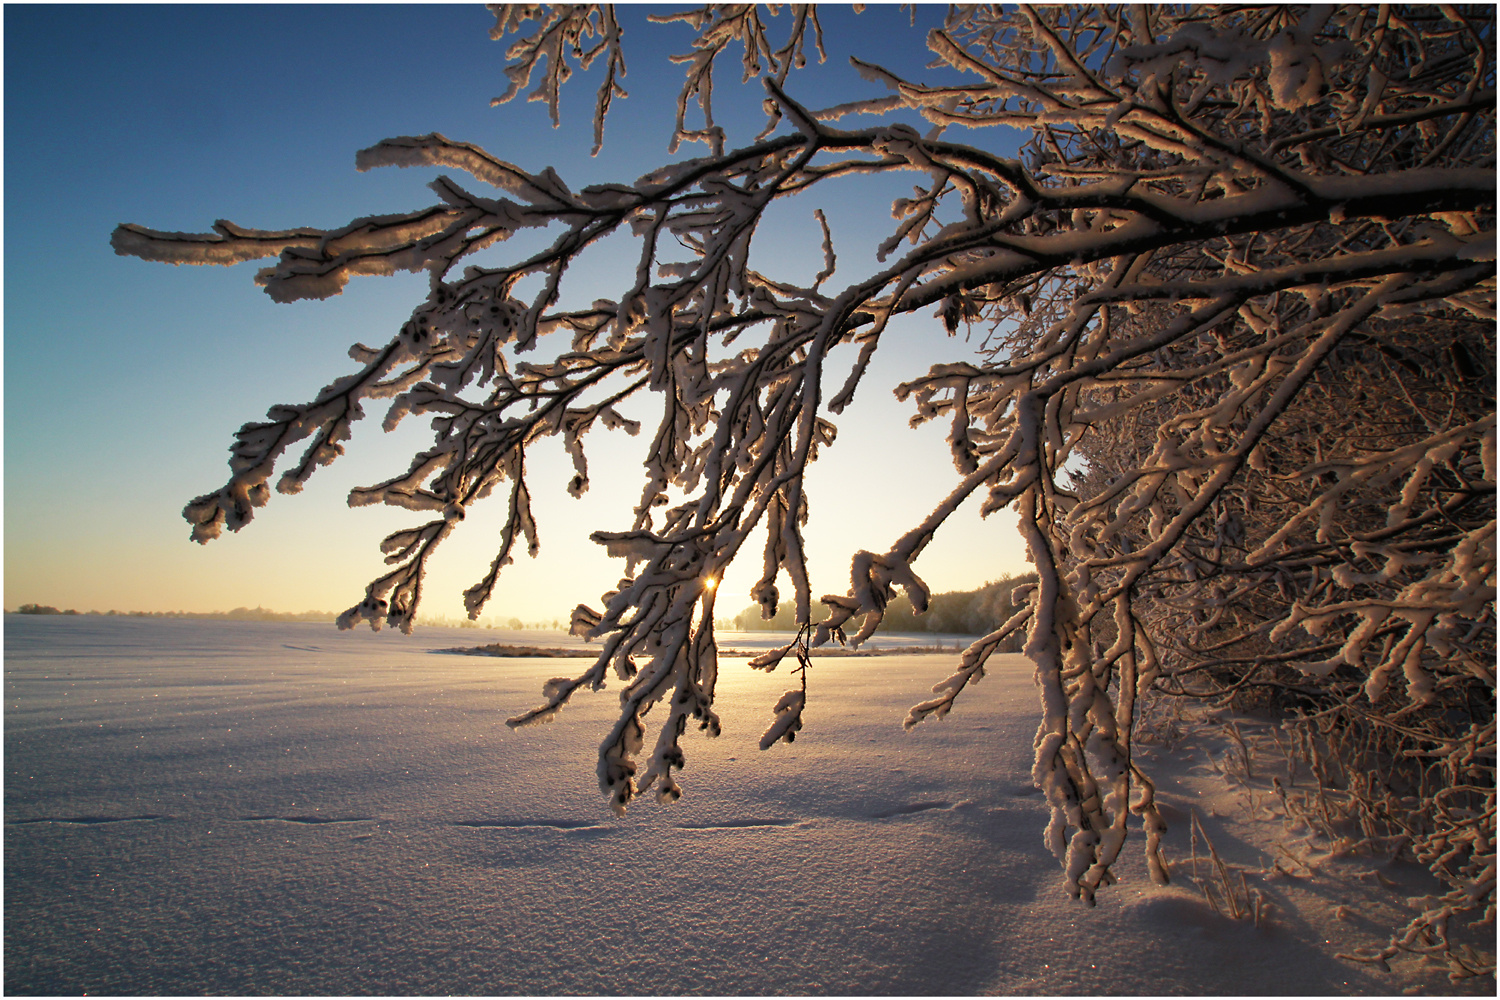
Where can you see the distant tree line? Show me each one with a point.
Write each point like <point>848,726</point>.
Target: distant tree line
<point>958,612</point>
<point>238,614</point>
<point>259,614</point>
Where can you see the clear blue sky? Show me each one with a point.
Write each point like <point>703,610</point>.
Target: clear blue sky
<point>125,380</point>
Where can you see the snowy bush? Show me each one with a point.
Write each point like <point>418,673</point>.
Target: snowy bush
<point>1239,382</point>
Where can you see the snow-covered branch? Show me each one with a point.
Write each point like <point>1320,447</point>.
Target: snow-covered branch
<point>1238,294</point>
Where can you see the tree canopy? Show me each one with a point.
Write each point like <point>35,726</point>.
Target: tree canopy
<point>1237,295</point>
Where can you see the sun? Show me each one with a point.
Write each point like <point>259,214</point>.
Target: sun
<point>709,583</point>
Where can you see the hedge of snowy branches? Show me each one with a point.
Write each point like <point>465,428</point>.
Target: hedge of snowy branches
<point>1239,291</point>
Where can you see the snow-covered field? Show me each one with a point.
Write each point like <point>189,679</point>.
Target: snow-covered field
<point>219,807</point>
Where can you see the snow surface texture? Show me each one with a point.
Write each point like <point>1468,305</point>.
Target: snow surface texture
<point>224,807</point>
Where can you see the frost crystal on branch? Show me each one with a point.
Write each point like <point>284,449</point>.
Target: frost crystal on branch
<point>1238,295</point>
